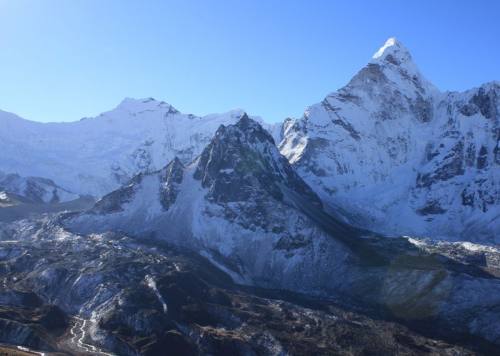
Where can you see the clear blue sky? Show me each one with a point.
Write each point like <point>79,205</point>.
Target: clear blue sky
<point>63,60</point>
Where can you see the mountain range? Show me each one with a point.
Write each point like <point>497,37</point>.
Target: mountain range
<point>226,235</point>
<point>387,152</point>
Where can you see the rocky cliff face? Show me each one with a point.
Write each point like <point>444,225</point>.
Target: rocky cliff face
<point>392,153</point>
<point>242,169</point>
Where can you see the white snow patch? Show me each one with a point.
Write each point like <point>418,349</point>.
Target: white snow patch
<point>236,277</point>
<point>389,43</point>
<point>152,284</point>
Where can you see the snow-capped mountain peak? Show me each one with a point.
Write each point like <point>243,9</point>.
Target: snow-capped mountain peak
<point>138,105</point>
<point>396,63</point>
<point>389,146</point>
<point>393,50</point>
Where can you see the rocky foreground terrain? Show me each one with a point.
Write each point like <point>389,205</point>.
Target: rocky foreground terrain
<point>112,293</point>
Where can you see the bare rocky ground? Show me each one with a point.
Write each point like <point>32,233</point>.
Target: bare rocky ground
<point>63,293</point>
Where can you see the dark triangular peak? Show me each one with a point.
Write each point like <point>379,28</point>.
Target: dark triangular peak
<point>170,179</point>
<point>253,131</point>
<point>247,130</point>
<point>173,169</point>
<point>242,163</point>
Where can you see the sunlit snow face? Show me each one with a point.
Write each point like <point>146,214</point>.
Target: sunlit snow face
<point>394,52</point>
<point>389,43</point>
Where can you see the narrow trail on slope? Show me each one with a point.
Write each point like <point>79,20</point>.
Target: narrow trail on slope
<point>78,335</point>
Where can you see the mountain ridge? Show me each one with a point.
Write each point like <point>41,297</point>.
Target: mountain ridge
<point>95,156</point>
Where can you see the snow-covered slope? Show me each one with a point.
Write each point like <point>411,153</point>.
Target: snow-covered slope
<point>34,189</point>
<point>96,155</point>
<point>392,153</point>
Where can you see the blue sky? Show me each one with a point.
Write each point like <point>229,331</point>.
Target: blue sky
<point>63,60</point>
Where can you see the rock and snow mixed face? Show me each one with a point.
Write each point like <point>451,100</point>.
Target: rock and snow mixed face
<point>233,204</point>
<point>392,153</point>
<point>33,189</point>
<point>242,206</point>
<point>96,155</point>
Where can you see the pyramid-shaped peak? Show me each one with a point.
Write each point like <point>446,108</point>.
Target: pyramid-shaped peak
<point>176,162</point>
<point>393,51</point>
<point>246,122</point>
<point>245,129</point>
<point>397,62</point>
